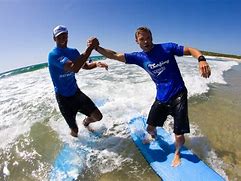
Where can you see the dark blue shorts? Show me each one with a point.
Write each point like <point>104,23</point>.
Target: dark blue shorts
<point>69,106</point>
<point>177,107</point>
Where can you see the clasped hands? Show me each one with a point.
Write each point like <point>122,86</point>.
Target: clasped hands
<point>93,42</point>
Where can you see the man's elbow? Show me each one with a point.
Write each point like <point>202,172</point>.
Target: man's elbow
<point>71,69</point>
<point>75,70</point>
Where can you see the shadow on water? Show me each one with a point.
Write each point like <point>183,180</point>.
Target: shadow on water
<point>190,157</point>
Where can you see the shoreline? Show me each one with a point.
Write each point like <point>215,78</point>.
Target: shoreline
<point>45,64</point>
<point>223,58</point>
<point>220,58</point>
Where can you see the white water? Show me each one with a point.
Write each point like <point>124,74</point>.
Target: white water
<point>28,98</point>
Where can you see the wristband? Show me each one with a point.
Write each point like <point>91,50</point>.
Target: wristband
<point>201,58</point>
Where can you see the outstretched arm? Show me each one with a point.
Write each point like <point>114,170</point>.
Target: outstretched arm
<point>204,68</point>
<point>81,60</point>
<point>111,54</point>
<point>93,65</point>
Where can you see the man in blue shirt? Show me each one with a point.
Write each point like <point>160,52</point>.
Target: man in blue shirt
<point>158,60</point>
<point>63,63</point>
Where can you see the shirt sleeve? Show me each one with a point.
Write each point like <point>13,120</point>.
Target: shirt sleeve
<point>55,61</point>
<point>132,58</point>
<point>176,49</point>
<point>76,54</point>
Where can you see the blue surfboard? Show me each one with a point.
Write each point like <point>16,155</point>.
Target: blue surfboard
<point>68,164</point>
<point>70,161</point>
<point>160,152</point>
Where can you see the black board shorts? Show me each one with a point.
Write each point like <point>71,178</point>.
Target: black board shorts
<point>177,107</point>
<point>69,106</point>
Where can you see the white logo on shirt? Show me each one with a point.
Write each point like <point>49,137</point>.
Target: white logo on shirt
<point>158,68</point>
<point>61,59</point>
<point>66,75</point>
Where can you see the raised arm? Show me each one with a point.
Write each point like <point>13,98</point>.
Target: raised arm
<point>81,60</point>
<point>204,68</point>
<point>111,54</point>
<point>93,65</point>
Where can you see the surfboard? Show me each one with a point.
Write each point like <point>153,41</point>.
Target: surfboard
<point>160,152</point>
<point>71,159</point>
<point>70,162</point>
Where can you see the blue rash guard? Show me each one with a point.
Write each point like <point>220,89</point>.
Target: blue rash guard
<point>64,81</point>
<point>161,65</point>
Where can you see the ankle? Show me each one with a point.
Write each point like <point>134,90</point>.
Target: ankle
<point>177,153</point>
<point>86,123</point>
<point>74,132</point>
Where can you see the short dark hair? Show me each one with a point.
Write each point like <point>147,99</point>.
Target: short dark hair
<point>142,28</point>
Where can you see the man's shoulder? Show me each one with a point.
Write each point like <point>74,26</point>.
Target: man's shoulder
<point>134,53</point>
<point>168,47</point>
<point>69,49</point>
<point>166,44</point>
<point>53,52</point>
<point>57,50</point>
<point>172,48</point>
<point>133,56</point>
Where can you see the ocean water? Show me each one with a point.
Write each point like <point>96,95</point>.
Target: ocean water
<point>32,130</point>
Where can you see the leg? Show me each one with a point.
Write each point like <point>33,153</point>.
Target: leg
<point>156,117</point>
<point>88,108</point>
<point>181,124</point>
<point>96,115</point>
<point>67,111</point>
<point>70,118</point>
<point>74,132</point>
<point>180,140</point>
<point>151,130</point>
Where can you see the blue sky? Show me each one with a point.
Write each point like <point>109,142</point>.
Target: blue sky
<point>26,25</point>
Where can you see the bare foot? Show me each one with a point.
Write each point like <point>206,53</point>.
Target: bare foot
<point>176,160</point>
<point>147,139</point>
<point>87,126</point>
<point>74,132</point>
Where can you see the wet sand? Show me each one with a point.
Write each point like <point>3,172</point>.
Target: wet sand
<point>218,116</point>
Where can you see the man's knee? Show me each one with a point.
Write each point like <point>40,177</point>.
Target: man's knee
<point>99,116</point>
<point>96,115</point>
